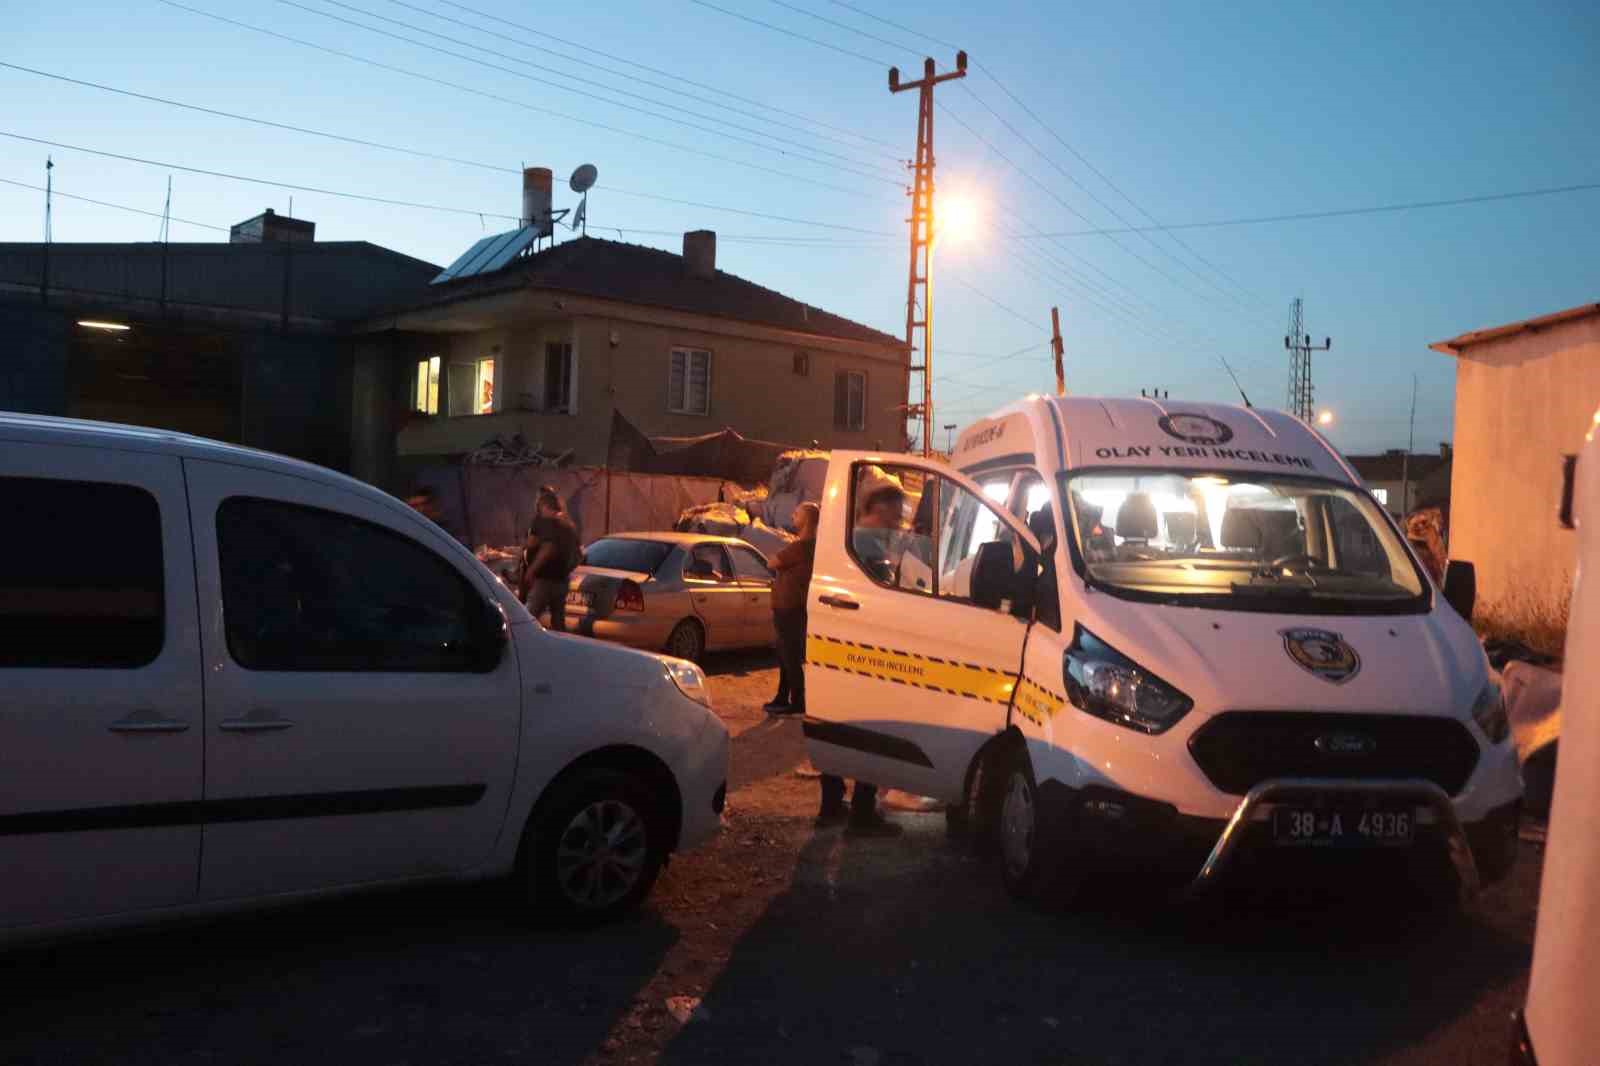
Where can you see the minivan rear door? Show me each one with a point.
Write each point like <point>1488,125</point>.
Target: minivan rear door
<point>361,727</point>
<point>910,656</point>
<point>101,722</point>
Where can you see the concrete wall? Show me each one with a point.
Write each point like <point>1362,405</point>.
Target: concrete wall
<point>1522,402</point>
<point>753,388</point>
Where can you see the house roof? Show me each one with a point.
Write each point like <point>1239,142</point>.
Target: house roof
<point>1390,465</point>
<point>633,273</point>
<point>1455,345</point>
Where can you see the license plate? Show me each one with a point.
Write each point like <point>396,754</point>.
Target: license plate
<point>1343,827</point>
<point>579,598</point>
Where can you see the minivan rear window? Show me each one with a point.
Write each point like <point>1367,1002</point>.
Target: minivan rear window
<point>81,578</point>
<point>625,553</point>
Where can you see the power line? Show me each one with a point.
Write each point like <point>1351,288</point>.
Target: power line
<point>622,74</point>
<point>662,73</point>
<point>778,148</point>
<point>795,34</point>
<point>516,103</point>
<point>1305,216</point>
<point>422,154</point>
<point>119,207</point>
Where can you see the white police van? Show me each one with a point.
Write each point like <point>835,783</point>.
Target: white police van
<point>1154,636</point>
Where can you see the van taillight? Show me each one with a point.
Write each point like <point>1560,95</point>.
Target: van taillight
<point>630,597</point>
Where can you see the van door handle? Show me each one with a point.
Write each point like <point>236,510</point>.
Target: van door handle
<point>148,722</point>
<point>844,603</point>
<point>255,722</point>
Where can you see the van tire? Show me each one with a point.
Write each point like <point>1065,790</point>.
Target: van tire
<point>687,640</point>
<point>591,804</point>
<point>1033,860</point>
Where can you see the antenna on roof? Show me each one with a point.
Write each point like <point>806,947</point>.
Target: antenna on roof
<point>582,181</point>
<point>1235,378</point>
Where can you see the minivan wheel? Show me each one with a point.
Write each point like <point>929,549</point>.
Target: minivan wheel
<point>687,640</point>
<point>596,850</point>
<point>1031,864</point>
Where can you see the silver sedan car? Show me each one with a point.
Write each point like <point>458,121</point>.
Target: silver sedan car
<point>681,593</point>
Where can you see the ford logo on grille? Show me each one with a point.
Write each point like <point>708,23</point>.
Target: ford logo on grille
<point>1346,744</point>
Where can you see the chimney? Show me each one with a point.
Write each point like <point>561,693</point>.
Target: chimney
<point>700,253</point>
<point>269,226</point>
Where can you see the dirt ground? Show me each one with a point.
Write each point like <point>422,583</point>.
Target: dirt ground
<point>781,943</point>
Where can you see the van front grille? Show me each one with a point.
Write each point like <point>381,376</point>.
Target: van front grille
<point>1240,749</point>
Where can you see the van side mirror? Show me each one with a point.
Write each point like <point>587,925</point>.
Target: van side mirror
<point>1461,587</point>
<point>489,642</point>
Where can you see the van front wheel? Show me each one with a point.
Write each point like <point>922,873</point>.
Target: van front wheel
<point>1032,863</point>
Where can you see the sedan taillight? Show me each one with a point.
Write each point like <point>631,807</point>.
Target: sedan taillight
<point>630,597</point>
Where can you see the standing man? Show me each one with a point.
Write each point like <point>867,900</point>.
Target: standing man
<point>551,556</point>
<point>793,566</point>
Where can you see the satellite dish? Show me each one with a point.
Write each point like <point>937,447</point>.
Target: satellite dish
<point>584,177</point>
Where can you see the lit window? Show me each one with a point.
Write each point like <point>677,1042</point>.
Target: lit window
<point>471,390</point>
<point>689,382</point>
<point>426,394</point>
<point>1381,495</point>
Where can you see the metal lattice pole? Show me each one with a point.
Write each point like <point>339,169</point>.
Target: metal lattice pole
<point>1298,342</point>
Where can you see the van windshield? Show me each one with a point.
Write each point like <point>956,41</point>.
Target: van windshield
<point>1250,543</point>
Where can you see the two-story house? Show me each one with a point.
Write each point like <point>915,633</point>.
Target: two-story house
<point>549,344</point>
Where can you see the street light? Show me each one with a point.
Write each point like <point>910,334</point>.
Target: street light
<point>1325,418</point>
<point>950,438</point>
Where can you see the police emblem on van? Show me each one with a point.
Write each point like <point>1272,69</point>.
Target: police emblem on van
<point>1322,653</point>
<point>1345,744</point>
<point>1195,429</point>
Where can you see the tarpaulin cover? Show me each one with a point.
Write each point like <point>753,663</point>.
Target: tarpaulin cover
<point>494,505</point>
<point>726,454</point>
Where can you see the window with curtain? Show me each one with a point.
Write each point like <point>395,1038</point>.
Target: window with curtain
<point>425,397</point>
<point>558,377</point>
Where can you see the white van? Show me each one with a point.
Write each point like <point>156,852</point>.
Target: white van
<point>228,678</point>
<point>1560,1026</point>
<point>1152,636</point>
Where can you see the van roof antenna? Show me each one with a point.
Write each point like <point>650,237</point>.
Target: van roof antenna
<point>1235,378</point>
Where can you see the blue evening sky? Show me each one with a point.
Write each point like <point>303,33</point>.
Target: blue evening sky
<point>1192,113</point>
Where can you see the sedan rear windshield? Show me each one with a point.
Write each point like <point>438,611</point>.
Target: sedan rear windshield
<point>621,553</point>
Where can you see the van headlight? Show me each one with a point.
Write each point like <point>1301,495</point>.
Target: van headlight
<point>1489,711</point>
<point>689,678</point>
<point>1107,684</point>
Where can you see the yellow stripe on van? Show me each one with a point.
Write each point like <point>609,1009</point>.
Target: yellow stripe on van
<point>1036,703</point>
<point>968,680</point>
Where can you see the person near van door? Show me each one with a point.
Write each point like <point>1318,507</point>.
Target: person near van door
<point>793,566</point>
<point>552,555</point>
<point>879,525</point>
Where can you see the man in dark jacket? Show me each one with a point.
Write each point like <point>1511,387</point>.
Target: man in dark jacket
<point>549,559</point>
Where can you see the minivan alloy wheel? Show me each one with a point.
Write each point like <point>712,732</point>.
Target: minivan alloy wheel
<point>602,853</point>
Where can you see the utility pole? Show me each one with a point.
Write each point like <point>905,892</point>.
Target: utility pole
<point>950,437</point>
<point>1300,348</point>
<point>919,412</point>
<point>1056,347</point>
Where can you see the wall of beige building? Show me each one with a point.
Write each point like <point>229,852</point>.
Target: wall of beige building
<point>1522,402</point>
<point>626,365</point>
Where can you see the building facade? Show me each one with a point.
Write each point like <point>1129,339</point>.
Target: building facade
<point>1404,483</point>
<point>550,345</point>
<point>1526,395</point>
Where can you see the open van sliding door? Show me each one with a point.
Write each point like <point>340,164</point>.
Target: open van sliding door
<point>910,662</point>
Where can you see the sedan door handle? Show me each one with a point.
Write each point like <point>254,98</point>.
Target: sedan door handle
<point>148,722</point>
<point>842,602</point>
<point>255,722</point>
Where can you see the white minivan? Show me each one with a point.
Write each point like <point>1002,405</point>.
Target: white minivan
<point>228,677</point>
<point>1168,638</point>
